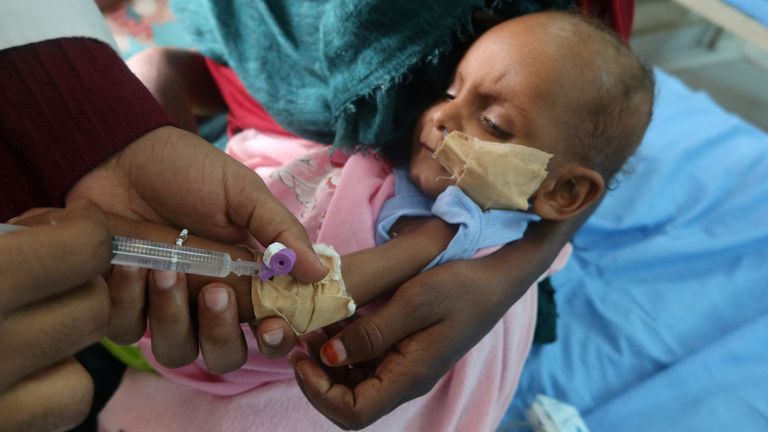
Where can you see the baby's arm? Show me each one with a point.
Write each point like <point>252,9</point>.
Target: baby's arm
<point>355,278</point>
<point>372,273</point>
<point>181,82</point>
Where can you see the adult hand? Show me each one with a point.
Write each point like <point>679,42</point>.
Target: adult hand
<point>188,311</point>
<point>190,314</point>
<point>404,348</point>
<point>174,177</point>
<point>53,303</point>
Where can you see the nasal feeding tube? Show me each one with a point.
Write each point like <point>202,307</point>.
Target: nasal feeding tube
<point>277,260</point>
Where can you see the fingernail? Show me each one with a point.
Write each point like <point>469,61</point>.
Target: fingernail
<point>273,338</point>
<point>216,299</point>
<point>164,279</point>
<point>333,352</point>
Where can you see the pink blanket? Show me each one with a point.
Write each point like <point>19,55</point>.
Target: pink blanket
<point>337,199</point>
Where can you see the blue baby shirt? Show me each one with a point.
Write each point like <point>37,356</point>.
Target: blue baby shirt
<point>478,229</point>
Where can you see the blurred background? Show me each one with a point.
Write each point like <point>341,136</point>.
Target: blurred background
<point>713,45</point>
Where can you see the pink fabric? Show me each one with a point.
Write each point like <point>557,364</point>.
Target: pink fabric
<point>338,201</point>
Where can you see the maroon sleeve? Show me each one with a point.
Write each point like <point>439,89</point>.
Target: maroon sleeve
<point>66,105</point>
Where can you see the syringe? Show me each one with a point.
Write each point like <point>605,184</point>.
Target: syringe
<point>161,256</point>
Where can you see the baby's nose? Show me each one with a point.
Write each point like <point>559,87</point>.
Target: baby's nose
<point>445,118</point>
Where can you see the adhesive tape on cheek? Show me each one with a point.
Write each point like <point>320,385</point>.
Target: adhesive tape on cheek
<point>495,175</point>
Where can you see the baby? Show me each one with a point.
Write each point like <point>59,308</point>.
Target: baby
<point>551,93</point>
<point>550,85</point>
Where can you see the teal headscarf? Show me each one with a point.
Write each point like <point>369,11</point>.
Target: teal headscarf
<point>348,72</point>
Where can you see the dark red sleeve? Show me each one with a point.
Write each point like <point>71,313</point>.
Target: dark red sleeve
<point>66,105</point>
<point>618,13</point>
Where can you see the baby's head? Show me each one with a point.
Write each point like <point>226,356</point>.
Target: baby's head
<point>552,81</point>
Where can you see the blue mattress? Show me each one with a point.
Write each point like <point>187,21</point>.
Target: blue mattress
<point>664,307</point>
<point>757,9</point>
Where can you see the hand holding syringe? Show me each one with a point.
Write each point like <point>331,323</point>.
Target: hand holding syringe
<point>126,251</point>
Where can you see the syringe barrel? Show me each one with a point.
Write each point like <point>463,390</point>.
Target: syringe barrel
<point>161,256</point>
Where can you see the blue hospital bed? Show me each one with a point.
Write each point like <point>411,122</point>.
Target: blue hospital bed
<point>664,307</point>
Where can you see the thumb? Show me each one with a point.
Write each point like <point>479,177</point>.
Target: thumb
<point>251,205</point>
<point>371,336</point>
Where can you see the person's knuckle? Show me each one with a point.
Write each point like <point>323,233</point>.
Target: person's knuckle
<point>367,338</point>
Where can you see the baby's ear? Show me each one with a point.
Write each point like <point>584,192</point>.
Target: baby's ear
<point>573,189</point>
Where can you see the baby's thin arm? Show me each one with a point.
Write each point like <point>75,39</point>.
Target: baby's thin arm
<point>375,272</point>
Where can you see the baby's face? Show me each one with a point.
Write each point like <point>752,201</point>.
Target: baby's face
<point>514,85</point>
